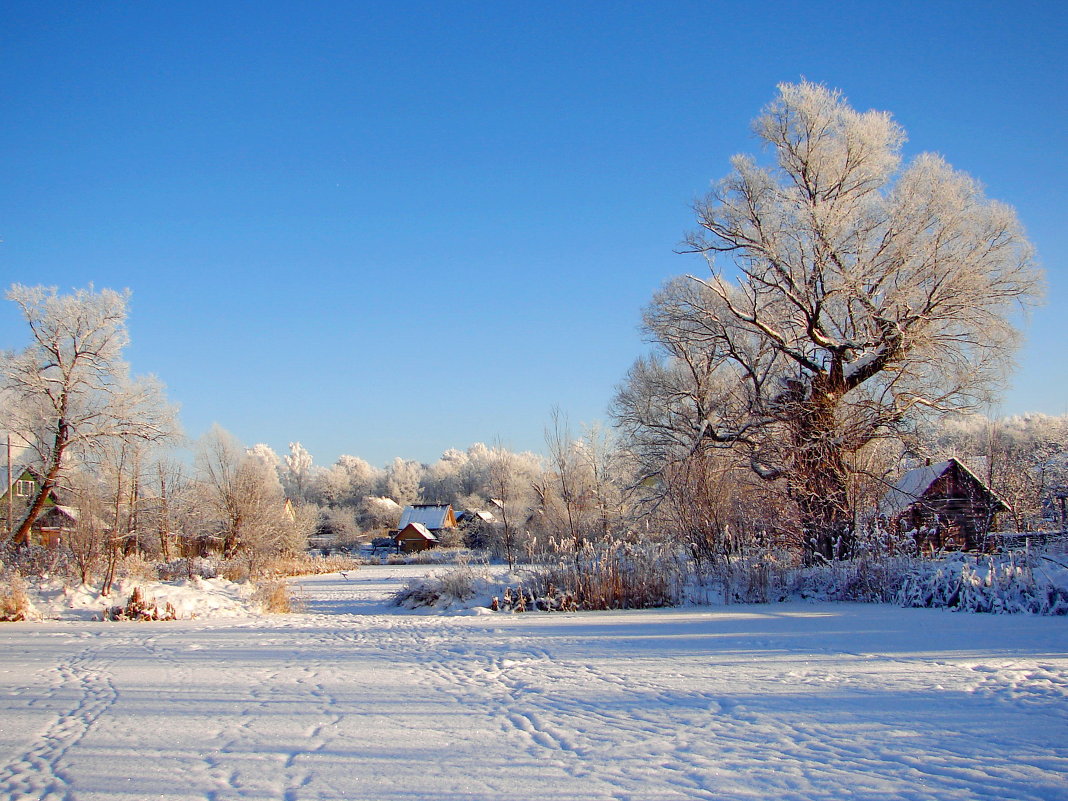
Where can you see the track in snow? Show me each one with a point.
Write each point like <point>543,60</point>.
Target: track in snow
<point>357,700</point>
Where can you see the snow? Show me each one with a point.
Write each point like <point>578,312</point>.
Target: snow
<point>194,598</point>
<point>910,488</point>
<point>431,516</point>
<point>357,699</point>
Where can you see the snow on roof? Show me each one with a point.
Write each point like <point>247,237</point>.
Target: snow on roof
<point>433,516</point>
<point>910,488</point>
<point>69,511</point>
<point>421,530</point>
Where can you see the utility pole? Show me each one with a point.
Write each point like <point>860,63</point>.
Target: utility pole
<point>10,492</point>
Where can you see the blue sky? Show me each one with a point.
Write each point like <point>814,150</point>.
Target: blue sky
<point>391,229</point>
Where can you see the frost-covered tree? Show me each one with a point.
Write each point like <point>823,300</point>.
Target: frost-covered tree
<point>346,482</point>
<point>403,481</point>
<point>298,471</point>
<point>610,471</point>
<point>569,476</point>
<point>443,481</point>
<point>376,512</point>
<point>69,395</point>
<point>847,295</point>
<point>266,454</point>
<point>245,499</point>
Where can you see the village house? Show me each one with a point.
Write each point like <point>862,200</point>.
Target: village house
<point>946,506</point>
<point>421,524</point>
<point>54,520</point>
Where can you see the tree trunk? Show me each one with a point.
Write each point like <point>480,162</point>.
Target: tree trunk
<point>820,486</point>
<point>22,536</point>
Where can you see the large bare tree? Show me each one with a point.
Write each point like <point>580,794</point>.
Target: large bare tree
<point>847,294</point>
<point>69,394</point>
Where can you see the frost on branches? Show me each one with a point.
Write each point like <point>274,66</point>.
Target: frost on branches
<point>848,295</point>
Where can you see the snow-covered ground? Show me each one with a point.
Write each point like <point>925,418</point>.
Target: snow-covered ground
<point>190,598</point>
<point>358,700</point>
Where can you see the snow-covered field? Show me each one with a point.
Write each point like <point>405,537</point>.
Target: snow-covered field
<point>355,699</point>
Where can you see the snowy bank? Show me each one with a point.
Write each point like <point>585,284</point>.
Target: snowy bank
<point>193,598</point>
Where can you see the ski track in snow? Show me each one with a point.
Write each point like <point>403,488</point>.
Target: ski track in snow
<point>356,700</point>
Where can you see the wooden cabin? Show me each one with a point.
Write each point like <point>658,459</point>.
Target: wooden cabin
<point>415,537</point>
<point>53,521</point>
<point>946,506</point>
<point>435,516</point>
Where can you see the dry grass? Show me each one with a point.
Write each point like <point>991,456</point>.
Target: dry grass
<point>275,596</point>
<point>14,603</point>
<point>307,565</point>
<point>433,556</point>
<point>607,576</point>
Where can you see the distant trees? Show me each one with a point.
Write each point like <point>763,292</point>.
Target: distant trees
<point>298,471</point>
<point>69,394</point>
<point>510,483</point>
<point>867,295</point>
<point>245,499</point>
<point>347,482</point>
<point>403,481</point>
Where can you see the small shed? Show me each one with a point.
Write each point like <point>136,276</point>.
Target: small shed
<point>947,506</point>
<point>53,523</point>
<point>415,537</point>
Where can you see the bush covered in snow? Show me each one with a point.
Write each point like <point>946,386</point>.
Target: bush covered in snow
<point>610,575</point>
<point>464,586</point>
<point>1017,583</point>
<point>1009,583</point>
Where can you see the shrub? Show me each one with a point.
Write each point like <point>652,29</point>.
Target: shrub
<point>178,569</point>
<point>1006,585</point>
<point>137,607</point>
<point>136,566</point>
<point>604,576</point>
<point>274,596</point>
<point>38,561</point>
<point>14,603</point>
<point>457,586</point>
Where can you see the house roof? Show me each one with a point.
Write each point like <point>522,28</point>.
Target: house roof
<point>17,472</point>
<point>915,482</point>
<point>433,516</point>
<point>65,516</point>
<point>421,530</point>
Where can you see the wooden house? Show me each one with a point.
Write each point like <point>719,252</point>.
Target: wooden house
<point>421,524</point>
<point>415,537</point>
<point>946,506</point>
<point>54,518</point>
<point>435,516</point>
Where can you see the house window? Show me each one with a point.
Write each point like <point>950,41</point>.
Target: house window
<point>25,489</point>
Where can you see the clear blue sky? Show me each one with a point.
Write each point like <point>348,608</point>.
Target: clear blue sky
<point>387,229</point>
